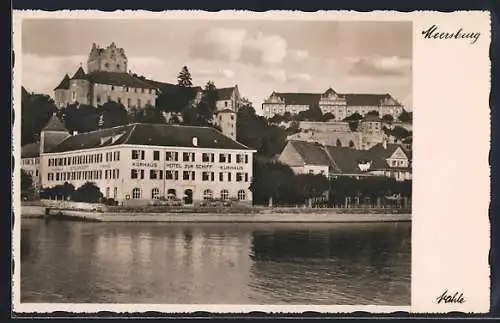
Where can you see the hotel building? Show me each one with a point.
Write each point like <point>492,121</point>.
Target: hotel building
<point>137,163</point>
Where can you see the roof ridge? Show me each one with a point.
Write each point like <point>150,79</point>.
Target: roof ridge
<point>130,133</point>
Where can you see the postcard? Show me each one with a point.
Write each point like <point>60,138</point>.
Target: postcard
<point>236,161</point>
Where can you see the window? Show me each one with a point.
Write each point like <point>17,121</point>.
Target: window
<point>185,175</point>
<point>155,193</point>
<point>57,176</point>
<point>106,174</point>
<point>246,159</point>
<point>115,192</point>
<point>228,177</point>
<point>205,176</point>
<point>224,194</point>
<point>222,158</point>
<point>207,194</point>
<point>171,156</point>
<point>187,157</point>
<point>239,158</point>
<point>153,174</point>
<point>242,195</point>
<point>129,102</point>
<point>246,177</point>
<point>172,174</point>
<point>136,193</point>
<point>118,66</point>
<point>138,154</point>
<point>136,173</point>
<point>112,87</point>
<point>156,155</point>
<point>221,177</point>
<point>106,65</point>
<point>107,192</point>
<point>119,100</point>
<point>142,90</point>
<point>239,177</point>
<point>206,157</point>
<point>229,155</point>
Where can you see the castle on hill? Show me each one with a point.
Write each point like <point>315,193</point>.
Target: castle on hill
<point>108,79</point>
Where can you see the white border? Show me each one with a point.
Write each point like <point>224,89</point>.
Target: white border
<point>450,233</point>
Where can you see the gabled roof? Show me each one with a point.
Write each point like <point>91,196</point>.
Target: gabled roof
<point>79,74</point>
<point>311,153</point>
<point>389,151</point>
<point>54,124</point>
<point>225,93</point>
<point>150,134</point>
<point>30,150</point>
<point>299,98</point>
<point>344,160</point>
<point>118,79</point>
<point>64,85</point>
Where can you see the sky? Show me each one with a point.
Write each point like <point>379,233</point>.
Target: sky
<point>259,56</point>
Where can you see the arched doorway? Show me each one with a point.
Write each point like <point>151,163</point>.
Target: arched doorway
<point>188,196</point>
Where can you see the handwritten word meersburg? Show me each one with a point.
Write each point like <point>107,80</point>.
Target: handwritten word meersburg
<point>434,33</point>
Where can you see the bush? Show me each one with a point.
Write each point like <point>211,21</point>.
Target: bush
<point>88,193</point>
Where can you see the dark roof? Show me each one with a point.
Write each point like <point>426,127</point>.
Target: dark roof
<point>344,160</point>
<point>311,153</point>
<point>391,149</point>
<point>352,99</point>
<point>30,150</point>
<point>24,92</point>
<point>79,74</point>
<point>150,134</point>
<point>300,98</point>
<point>118,79</point>
<point>54,124</point>
<point>225,93</point>
<point>64,85</point>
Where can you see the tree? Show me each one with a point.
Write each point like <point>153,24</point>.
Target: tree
<point>208,101</point>
<point>26,181</point>
<point>184,78</point>
<point>255,131</point>
<point>309,186</point>
<point>272,182</point>
<point>353,125</point>
<point>88,192</point>
<point>353,117</point>
<point>113,114</point>
<point>387,118</point>
<point>149,114</point>
<point>328,116</point>
<point>36,111</point>
<point>406,117</point>
<point>400,132</point>
<point>80,117</point>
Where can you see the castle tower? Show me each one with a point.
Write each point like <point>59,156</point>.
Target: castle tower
<point>109,59</point>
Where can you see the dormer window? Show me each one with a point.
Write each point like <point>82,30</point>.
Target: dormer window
<point>106,65</point>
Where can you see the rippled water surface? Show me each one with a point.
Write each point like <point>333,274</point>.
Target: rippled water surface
<point>329,264</point>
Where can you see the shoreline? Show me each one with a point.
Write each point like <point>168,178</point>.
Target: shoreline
<point>308,216</point>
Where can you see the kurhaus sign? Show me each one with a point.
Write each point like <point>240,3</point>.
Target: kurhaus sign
<point>144,164</point>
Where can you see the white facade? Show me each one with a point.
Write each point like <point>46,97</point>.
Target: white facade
<point>31,166</point>
<point>143,173</point>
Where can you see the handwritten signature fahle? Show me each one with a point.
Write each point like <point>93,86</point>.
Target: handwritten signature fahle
<point>447,298</point>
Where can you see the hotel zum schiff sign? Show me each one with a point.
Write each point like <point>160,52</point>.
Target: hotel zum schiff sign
<point>185,166</point>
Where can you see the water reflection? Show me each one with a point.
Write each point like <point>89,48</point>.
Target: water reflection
<point>215,263</point>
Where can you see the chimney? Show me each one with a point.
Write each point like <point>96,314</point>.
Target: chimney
<point>195,141</point>
<point>75,132</point>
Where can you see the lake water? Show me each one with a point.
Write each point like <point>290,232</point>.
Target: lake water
<point>169,263</point>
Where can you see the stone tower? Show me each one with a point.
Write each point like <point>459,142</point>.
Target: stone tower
<point>109,59</point>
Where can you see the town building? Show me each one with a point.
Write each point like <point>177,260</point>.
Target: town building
<point>381,160</point>
<point>106,79</point>
<point>340,105</point>
<point>138,163</point>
